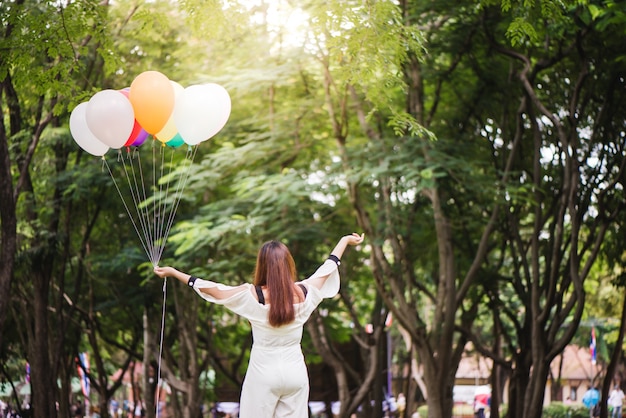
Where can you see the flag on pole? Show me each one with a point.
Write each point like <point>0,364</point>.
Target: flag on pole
<point>592,345</point>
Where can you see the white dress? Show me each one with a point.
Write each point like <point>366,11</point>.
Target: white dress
<point>276,382</point>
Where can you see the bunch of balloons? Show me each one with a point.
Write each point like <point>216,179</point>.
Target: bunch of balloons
<point>152,105</point>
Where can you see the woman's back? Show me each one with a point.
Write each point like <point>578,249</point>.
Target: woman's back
<point>290,334</point>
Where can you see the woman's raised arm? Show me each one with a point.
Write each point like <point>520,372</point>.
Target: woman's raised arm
<point>318,280</point>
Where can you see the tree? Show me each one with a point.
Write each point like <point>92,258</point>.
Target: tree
<point>506,185</point>
<point>33,85</point>
<point>68,52</point>
<point>557,146</point>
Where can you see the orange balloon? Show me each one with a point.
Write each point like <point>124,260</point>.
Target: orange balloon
<point>152,97</point>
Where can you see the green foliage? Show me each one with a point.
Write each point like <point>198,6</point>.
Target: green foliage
<point>560,410</point>
<point>45,50</point>
<point>553,410</point>
<point>520,30</point>
<point>602,15</point>
<point>532,21</point>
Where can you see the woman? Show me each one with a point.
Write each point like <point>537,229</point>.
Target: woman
<point>276,382</point>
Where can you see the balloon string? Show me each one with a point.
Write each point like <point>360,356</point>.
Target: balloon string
<point>137,189</point>
<point>177,197</point>
<point>154,228</point>
<point>125,206</point>
<point>158,393</point>
<point>155,211</point>
<point>145,210</point>
<point>159,229</point>
<point>163,197</point>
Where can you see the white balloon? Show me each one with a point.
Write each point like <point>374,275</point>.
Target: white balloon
<point>201,111</point>
<point>110,116</point>
<point>81,133</point>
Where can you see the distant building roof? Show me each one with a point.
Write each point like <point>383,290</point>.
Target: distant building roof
<point>575,364</point>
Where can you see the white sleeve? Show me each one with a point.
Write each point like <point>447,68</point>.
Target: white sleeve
<point>236,298</point>
<point>331,286</point>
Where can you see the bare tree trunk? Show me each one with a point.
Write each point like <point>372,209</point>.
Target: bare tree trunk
<point>616,356</point>
<point>344,374</point>
<point>496,391</point>
<point>8,225</point>
<point>40,355</point>
<point>8,216</point>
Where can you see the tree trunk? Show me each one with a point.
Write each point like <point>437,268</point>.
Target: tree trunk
<point>616,356</point>
<point>8,222</point>
<point>43,384</point>
<point>343,372</point>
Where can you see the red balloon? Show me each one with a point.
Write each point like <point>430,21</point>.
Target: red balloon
<point>137,129</point>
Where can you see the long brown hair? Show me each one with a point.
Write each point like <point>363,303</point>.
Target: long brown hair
<point>276,269</point>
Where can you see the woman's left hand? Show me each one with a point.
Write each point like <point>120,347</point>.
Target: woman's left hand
<point>164,271</point>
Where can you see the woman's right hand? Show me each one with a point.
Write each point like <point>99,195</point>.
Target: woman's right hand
<point>354,238</point>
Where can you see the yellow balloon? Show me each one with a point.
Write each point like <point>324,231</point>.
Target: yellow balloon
<point>169,130</point>
<point>152,97</point>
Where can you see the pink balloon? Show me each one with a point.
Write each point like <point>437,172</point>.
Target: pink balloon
<point>82,135</point>
<point>110,117</point>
